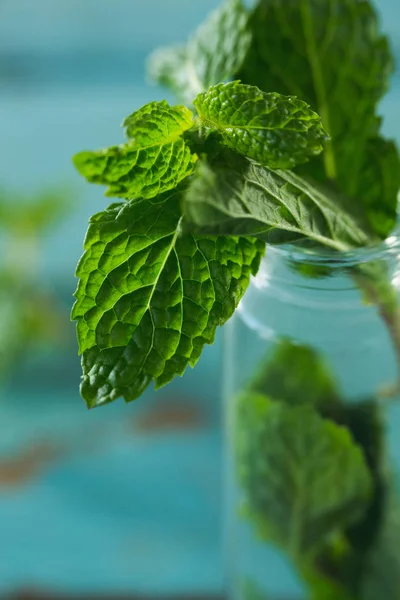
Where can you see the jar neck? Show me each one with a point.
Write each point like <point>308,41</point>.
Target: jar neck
<point>344,307</point>
<point>299,277</point>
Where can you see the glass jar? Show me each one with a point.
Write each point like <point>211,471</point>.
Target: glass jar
<point>313,429</point>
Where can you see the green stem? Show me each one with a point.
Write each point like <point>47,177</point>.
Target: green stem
<point>322,101</point>
<point>380,292</point>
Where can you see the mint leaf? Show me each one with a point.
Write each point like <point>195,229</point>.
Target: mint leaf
<point>234,196</point>
<point>158,123</point>
<point>278,131</point>
<point>331,54</point>
<point>305,483</point>
<point>148,300</point>
<point>154,161</point>
<point>293,385</point>
<point>217,50</point>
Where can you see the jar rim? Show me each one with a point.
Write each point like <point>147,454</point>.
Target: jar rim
<point>297,253</point>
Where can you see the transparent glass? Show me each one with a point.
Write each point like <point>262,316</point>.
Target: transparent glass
<point>312,422</point>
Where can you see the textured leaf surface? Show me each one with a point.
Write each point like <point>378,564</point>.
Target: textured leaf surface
<point>215,52</point>
<point>158,123</point>
<point>331,54</point>
<point>303,482</point>
<point>148,300</point>
<point>237,196</point>
<point>278,131</point>
<point>155,159</point>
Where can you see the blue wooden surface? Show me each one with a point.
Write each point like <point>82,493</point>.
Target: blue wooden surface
<point>115,508</point>
<point>115,499</point>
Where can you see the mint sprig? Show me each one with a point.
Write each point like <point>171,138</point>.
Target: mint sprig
<point>223,171</point>
<point>152,286</point>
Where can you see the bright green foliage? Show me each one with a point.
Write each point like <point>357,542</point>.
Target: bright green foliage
<point>148,300</point>
<point>217,50</point>
<point>277,131</point>
<point>231,195</point>
<point>330,54</point>
<point>155,159</point>
<point>132,172</point>
<point>309,481</point>
<point>158,123</point>
<point>153,284</point>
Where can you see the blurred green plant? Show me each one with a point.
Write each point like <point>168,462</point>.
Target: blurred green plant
<point>250,591</point>
<point>312,467</point>
<point>30,315</point>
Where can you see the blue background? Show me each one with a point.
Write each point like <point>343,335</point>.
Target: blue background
<point>126,498</point>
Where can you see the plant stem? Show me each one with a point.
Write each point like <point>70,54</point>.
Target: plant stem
<point>319,84</point>
<point>374,281</point>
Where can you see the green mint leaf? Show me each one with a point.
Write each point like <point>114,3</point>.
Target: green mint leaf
<point>294,386</point>
<point>217,50</point>
<point>156,158</point>
<point>234,196</point>
<point>148,299</point>
<point>331,54</point>
<point>303,476</point>
<point>158,122</point>
<point>277,131</point>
